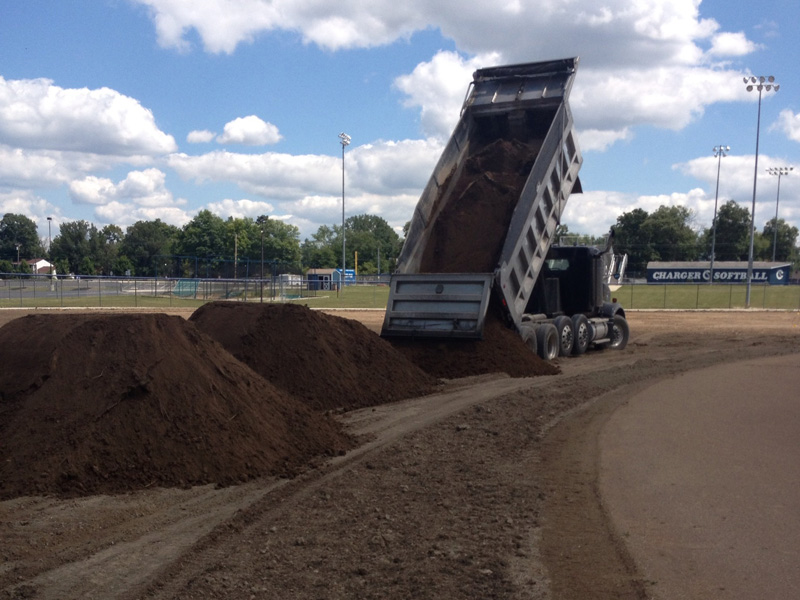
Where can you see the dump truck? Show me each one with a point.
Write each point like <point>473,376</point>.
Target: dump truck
<point>482,240</point>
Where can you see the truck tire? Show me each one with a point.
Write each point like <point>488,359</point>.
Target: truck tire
<point>566,335</point>
<point>582,332</point>
<point>620,332</point>
<point>528,334</point>
<point>547,341</point>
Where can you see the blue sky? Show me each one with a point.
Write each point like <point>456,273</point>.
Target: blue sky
<point>114,111</point>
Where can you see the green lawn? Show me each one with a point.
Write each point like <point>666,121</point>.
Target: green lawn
<point>14,294</point>
<point>683,296</point>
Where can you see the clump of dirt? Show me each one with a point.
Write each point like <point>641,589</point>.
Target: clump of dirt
<point>469,232</point>
<point>500,351</point>
<point>326,361</point>
<point>110,403</point>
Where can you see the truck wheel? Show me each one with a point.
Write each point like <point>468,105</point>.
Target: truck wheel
<point>582,332</point>
<point>620,332</point>
<point>547,341</point>
<point>566,335</point>
<point>528,334</point>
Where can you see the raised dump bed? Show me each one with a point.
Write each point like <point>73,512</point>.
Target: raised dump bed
<point>489,212</point>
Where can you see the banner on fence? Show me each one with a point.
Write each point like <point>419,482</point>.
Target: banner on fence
<point>772,273</point>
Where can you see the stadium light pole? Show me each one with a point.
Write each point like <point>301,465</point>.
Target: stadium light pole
<point>759,84</point>
<point>719,152</point>
<point>262,263</point>
<point>345,141</point>
<point>50,240</point>
<point>779,171</point>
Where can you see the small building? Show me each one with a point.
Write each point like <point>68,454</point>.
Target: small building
<point>40,266</point>
<point>772,273</point>
<point>320,279</point>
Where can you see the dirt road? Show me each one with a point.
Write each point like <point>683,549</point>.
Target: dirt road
<point>488,489</point>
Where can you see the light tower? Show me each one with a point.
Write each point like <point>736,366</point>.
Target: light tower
<point>345,141</point>
<point>759,84</point>
<point>779,171</point>
<point>719,152</point>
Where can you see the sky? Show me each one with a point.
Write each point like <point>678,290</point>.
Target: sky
<point>116,111</point>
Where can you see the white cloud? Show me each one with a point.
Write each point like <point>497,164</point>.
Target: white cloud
<point>32,206</point>
<point>383,178</point>
<point>732,44</point>
<point>595,139</point>
<point>438,87</point>
<point>653,28</point>
<point>789,123</point>
<point>143,189</point>
<point>125,214</point>
<point>240,209</point>
<point>200,136</point>
<point>250,131</point>
<point>35,114</point>
<point>645,62</point>
<point>382,167</point>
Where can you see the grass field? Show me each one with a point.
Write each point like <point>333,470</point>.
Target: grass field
<point>95,293</point>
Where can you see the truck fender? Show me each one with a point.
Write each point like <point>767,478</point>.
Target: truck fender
<point>610,309</point>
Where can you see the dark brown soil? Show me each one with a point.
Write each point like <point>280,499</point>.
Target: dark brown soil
<point>500,351</point>
<point>469,232</point>
<point>106,404</point>
<point>326,361</point>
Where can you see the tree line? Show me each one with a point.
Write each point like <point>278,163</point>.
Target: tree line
<point>667,235</point>
<point>210,246</point>
<point>207,246</point>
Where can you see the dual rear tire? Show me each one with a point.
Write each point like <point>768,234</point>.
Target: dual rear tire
<point>570,336</point>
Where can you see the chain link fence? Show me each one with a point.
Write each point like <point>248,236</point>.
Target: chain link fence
<point>33,291</point>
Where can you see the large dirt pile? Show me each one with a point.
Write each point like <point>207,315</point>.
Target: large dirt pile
<point>326,361</point>
<point>469,232</point>
<point>109,403</point>
<point>500,351</point>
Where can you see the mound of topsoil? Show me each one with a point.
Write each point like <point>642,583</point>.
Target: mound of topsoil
<point>110,403</point>
<point>326,361</point>
<point>500,351</point>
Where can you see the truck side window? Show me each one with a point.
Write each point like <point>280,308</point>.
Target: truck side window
<point>558,264</point>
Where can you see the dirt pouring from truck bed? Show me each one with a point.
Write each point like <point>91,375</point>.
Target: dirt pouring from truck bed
<point>106,403</point>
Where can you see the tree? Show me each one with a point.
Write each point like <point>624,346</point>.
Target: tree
<point>733,233</point>
<point>105,245</point>
<point>281,243</point>
<point>318,252</point>
<point>145,241</point>
<point>204,237</point>
<point>366,234</point>
<point>19,230</point>
<point>670,235</point>
<point>72,245</point>
<point>787,240</point>
<point>631,239</point>
<point>369,235</point>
